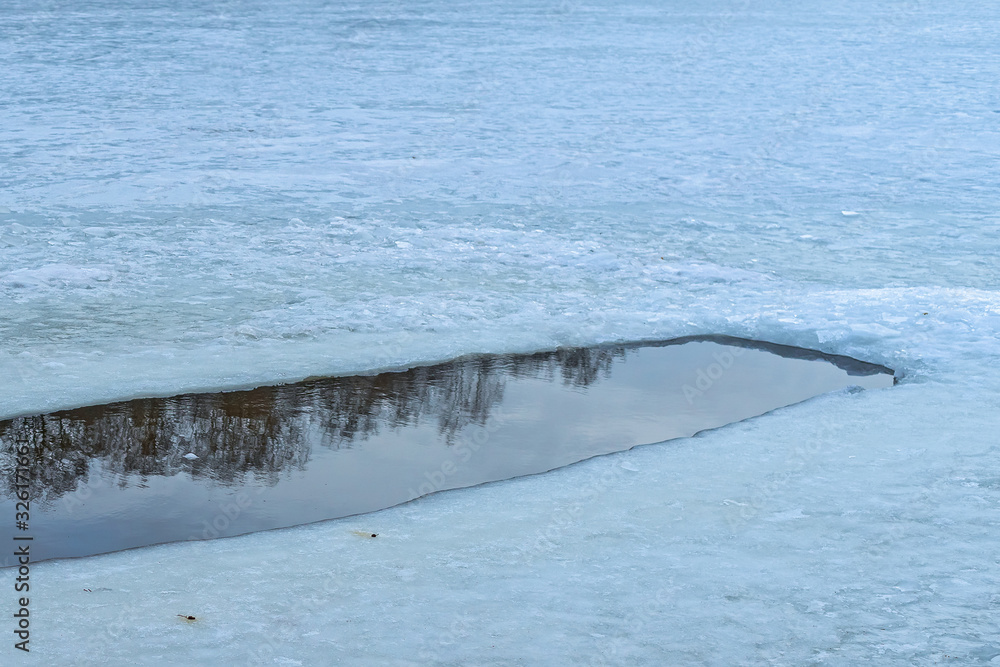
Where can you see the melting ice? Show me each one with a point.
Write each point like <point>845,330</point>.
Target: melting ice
<point>205,196</point>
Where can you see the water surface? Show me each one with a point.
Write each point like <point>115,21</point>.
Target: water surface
<point>201,466</point>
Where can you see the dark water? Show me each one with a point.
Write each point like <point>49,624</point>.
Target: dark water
<point>122,475</point>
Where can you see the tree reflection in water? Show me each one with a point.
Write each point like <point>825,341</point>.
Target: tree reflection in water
<point>269,429</point>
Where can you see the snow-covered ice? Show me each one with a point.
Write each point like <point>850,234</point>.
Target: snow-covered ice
<point>200,195</point>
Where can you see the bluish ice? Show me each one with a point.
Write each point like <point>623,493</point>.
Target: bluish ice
<point>201,196</point>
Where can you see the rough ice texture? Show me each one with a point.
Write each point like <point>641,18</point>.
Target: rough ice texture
<point>202,196</point>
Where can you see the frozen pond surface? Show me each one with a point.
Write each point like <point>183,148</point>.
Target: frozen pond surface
<point>206,196</point>
<point>202,466</point>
